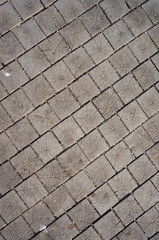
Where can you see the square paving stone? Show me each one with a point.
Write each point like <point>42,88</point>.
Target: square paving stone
<point>29,33</point>
<point>155,60</point>
<point>19,229</point>
<point>127,88</point>
<point>31,191</point>
<point>17,104</point>
<point>38,90</point>
<point>142,47</point>
<point>68,132</point>
<point>98,48</point>
<point>78,62</point>
<point>54,47</point>
<point>146,195</point>
<point>137,21</point>
<point>70,10</point>
<point>43,118</point>
<point>84,89</point>
<point>104,75</point>
<point>138,141</point>
<point>7,149</point>
<point>94,20</point>
<point>132,115</point>
<point>34,62</point>
<point>83,214</point>
<point>132,232</point>
<point>113,130</point>
<point>146,74</point>
<point>62,229</point>
<point>50,20</point>
<point>9,17</point>
<point>152,9</point>
<point>59,201</point>
<point>10,47</point>
<point>89,234</point>
<point>75,34</point>
<point>149,101</point>
<point>108,103</point>
<point>59,76</point>
<point>123,60</point>
<point>8,178</point>
<point>64,104</point>
<point>47,147</point>
<point>22,133</point>
<point>100,170</point>
<point>152,127</point>
<point>142,169</point>
<point>11,206</point>
<point>73,160</point>
<point>155,181</point>
<point>153,154</point>
<point>93,145</point>
<point>5,120</point>
<point>119,156</point>
<point>108,226</point>
<point>154,34</point>
<point>114,9</point>
<point>103,199</point>
<point>118,34</point>
<point>149,222</point>
<point>134,3</point>
<point>13,76</point>
<point>128,210</point>
<point>122,184</point>
<point>79,186</point>
<point>26,162</point>
<point>27,8</point>
<point>38,216</point>
<point>88,117</point>
<point>52,175</point>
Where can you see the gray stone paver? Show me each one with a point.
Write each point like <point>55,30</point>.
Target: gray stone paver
<point>79,119</point>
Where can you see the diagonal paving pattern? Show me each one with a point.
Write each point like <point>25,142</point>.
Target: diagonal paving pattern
<point>79,119</point>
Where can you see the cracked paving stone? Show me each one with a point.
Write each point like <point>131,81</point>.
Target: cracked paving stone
<point>146,195</point>
<point>108,226</point>
<point>122,184</point>
<point>83,214</point>
<point>79,186</point>
<point>98,48</point>
<point>119,156</point>
<point>152,10</point>
<point>47,147</point>
<point>59,201</point>
<point>31,190</point>
<point>128,210</point>
<point>26,162</point>
<point>104,75</point>
<point>52,175</point>
<point>93,145</point>
<point>100,170</point>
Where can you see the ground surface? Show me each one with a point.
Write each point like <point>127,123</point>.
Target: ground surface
<point>79,119</point>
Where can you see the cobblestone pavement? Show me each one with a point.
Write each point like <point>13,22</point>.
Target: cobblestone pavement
<point>79,119</point>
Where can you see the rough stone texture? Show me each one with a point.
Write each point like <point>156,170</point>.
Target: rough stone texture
<point>79,119</point>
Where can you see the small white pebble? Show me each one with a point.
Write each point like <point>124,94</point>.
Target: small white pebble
<point>42,228</point>
<point>7,74</point>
